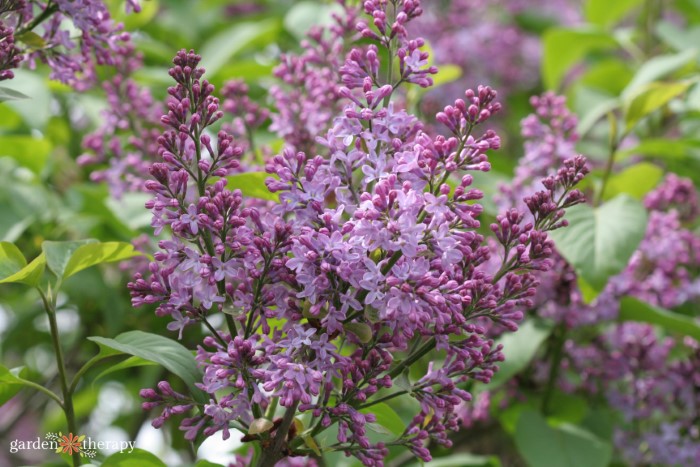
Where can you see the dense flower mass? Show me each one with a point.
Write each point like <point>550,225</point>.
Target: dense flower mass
<point>369,253</point>
<point>629,366</point>
<point>43,32</point>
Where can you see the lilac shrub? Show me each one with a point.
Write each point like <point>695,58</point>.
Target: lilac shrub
<point>370,253</point>
<point>651,381</point>
<point>35,31</point>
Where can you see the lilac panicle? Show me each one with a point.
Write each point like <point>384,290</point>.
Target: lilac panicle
<point>369,253</point>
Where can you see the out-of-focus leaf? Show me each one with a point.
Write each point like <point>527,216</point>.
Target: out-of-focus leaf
<point>519,348</point>
<point>11,259</point>
<point>7,94</point>
<point>27,151</point>
<point>218,50</point>
<point>542,445</point>
<point>658,67</point>
<point>610,76</point>
<point>565,47</point>
<point>36,110</point>
<point>464,460</point>
<point>655,96</point>
<point>606,13</point>
<point>260,425</point>
<point>636,181</point>
<point>136,458</point>
<point>252,184</point>
<point>632,309</point>
<point>599,241</point>
<point>305,14</point>
<point>167,352</point>
<point>663,148</point>
<point>678,38</point>
<point>596,112</point>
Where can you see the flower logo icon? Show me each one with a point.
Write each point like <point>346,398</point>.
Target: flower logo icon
<point>70,443</point>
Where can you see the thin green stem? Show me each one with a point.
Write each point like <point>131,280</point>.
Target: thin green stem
<point>60,361</point>
<point>558,340</point>
<point>40,388</point>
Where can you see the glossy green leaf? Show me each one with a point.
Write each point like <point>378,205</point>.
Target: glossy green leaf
<point>599,241</point>
<point>542,445</point>
<point>136,458</point>
<point>519,348</point>
<point>632,309</point>
<point>387,417</point>
<point>98,253</point>
<point>607,13</point>
<point>28,151</point>
<point>654,96</point>
<point>7,94</point>
<point>252,184</point>
<point>636,181</point>
<point>167,352</point>
<point>58,254</point>
<point>29,274</point>
<point>563,48</point>
<point>658,67</point>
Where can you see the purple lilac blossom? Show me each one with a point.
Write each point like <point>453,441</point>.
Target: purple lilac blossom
<point>72,61</point>
<point>368,250</point>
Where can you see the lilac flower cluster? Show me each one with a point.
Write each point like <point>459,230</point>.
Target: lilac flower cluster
<point>127,136</point>
<point>307,97</point>
<point>42,28</point>
<point>10,54</point>
<point>369,253</point>
<point>629,366</point>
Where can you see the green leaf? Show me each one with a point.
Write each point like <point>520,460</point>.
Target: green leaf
<point>599,241</point>
<point>565,47</point>
<point>11,259</point>
<point>632,309</point>
<point>655,96</point>
<point>519,348</point>
<point>446,74</point>
<point>58,254</point>
<point>361,330</point>
<point>678,38</point>
<point>465,460</point>
<point>610,75</point>
<point>32,39</point>
<point>7,94</point>
<point>10,383</point>
<point>28,151</point>
<point>658,147</point>
<point>136,458</point>
<point>606,13</point>
<point>130,362</point>
<point>219,50</point>
<point>252,184</point>
<point>658,67</point>
<point>36,110</point>
<point>172,355</point>
<point>29,274</point>
<point>595,113</point>
<point>387,417</point>
<point>98,253</point>
<point>636,181</point>
<point>542,445</point>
